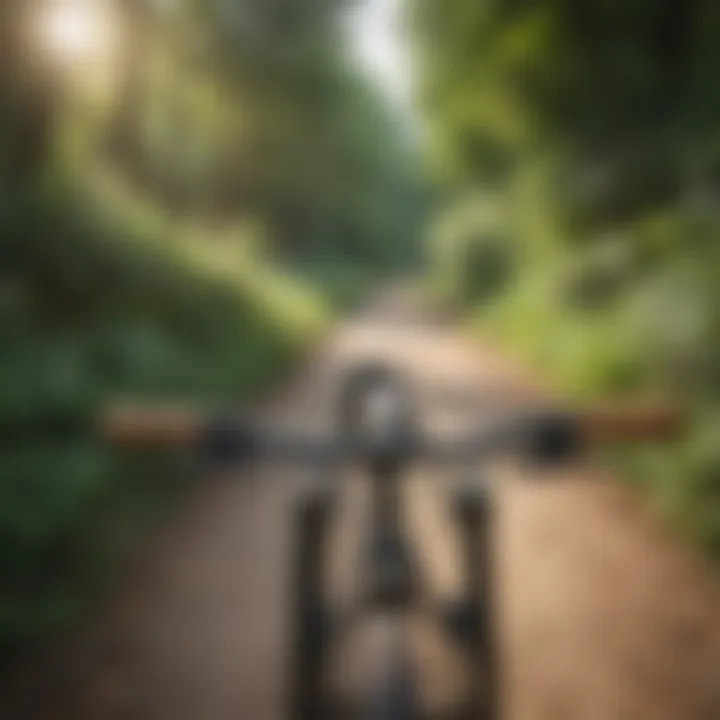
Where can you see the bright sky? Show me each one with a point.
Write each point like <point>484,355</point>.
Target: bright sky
<point>374,26</point>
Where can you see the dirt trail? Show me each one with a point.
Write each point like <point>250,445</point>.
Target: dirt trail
<point>603,615</point>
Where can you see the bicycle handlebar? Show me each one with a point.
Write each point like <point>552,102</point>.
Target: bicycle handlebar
<point>137,426</point>
<point>545,434</point>
<point>613,424</point>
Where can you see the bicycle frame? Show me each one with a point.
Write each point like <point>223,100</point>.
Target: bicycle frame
<point>539,434</point>
<point>390,585</point>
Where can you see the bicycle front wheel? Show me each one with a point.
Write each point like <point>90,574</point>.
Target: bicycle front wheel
<point>392,692</point>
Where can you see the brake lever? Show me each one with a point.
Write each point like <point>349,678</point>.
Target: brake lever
<point>228,440</point>
<point>551,438</point>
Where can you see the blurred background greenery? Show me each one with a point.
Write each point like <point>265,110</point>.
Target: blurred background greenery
<point>578,144</point>
<point>188,192</point>
<point>191,191</point>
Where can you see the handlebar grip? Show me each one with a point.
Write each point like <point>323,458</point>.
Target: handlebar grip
<point>618,424</point>
<point>147,428</point>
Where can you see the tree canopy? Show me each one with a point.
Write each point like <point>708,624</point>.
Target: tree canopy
<point>186,190</point>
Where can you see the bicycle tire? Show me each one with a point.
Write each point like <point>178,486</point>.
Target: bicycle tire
<point>393,690</point>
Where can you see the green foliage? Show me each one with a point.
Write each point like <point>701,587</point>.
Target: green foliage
<point>95,302</point>
<point>342,284</point>
<point>470,253</point>
<point>597,123</point>
<point>171,214</point>
<point>268,117</point>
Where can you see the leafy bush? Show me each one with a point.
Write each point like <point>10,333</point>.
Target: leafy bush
<point>646,328</point>
<point>99,299</point>
<point>605,115</point>
<point>471,253</point>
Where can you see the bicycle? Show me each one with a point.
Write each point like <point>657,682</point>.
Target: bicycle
<point>378,429</point>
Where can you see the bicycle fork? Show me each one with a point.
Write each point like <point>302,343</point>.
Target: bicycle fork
<point>310,617</point>
<point>472,619</point>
